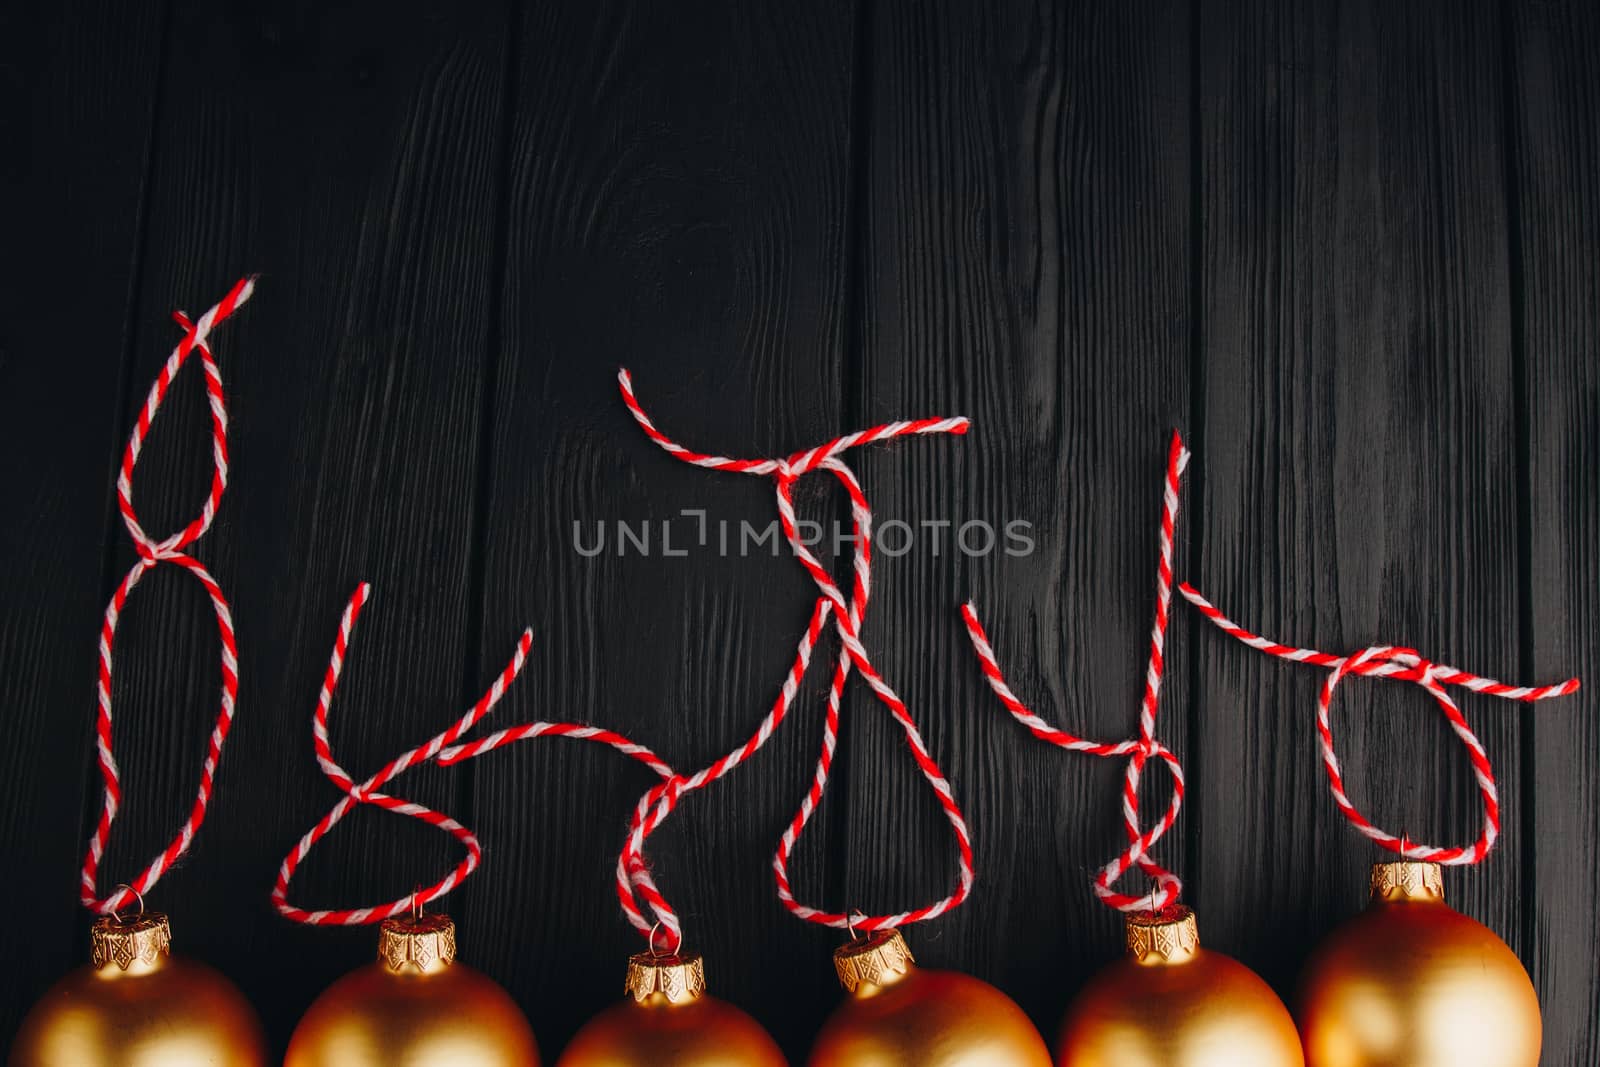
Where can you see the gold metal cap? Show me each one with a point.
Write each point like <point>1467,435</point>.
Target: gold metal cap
<point>424,942</point>
<point>1158,938</point>
<point>677,979</point>
<point>135,944</point>
<point>1407,880</point>
<point>881,959</point>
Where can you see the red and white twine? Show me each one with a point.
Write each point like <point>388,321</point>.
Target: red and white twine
<point>847,617</point>
<point>1403,665</point>
<point>633,875</point>
<point>152,553</point>
<point>435,749</point>
<point>1139,751</point>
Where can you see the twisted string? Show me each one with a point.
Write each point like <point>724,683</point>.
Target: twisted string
<point>633,876</point>
<point>367,792</point>
<point>151,553</point>
<point>847,617</point>
<point>437,748</point>
<point>1140,751</point>
<point>1402,665</point>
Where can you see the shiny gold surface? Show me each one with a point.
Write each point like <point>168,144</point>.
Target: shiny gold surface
<point>1407,881</point>
<point>678,979</point>
<point>140,1007</point>
<point>924,1018</point>
<point>129,945</point>
<point>679,1029</point>
<point>414,1007</point>
<point>1167,936</point>
<point>1413,982</point>
<point>875,960</point>
<point>424,943</point>
<point>1171,1003</point>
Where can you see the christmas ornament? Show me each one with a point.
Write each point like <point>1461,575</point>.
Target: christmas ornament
<point>414,1005</point>
<point>914,1016</point>
<point>1413,981</point>
<point>668,1020</point>
<point>136,1003</point>
<point>1169,1002</point>
<point>898,1013</point>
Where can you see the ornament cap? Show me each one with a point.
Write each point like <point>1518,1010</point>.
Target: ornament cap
<point>880,959</point>
<point>1407,880</point>
<point>1162,938</point>
<point>422,943</point>
<point>674,978</point>
<point>130,946</point>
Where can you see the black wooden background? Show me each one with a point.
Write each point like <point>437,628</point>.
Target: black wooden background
<point>1348,247</point>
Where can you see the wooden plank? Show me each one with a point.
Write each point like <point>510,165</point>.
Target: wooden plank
<point>1358,451</point>
<point>679,204</point>
<point>1024,261</point>
<point>79,86</point>
<point>347,154</point>
<point>1554,81</point>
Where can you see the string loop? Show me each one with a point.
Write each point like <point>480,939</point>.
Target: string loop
<point>151,553</point>
<point>1402,665</point>
<point>368,791</point>
<point>443,748</point>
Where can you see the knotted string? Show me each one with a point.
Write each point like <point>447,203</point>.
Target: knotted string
<point>1167,887</point>
<point>434,749</point>
<point>1403,665</point>
<point>847,617</point>
<point>152,553</point>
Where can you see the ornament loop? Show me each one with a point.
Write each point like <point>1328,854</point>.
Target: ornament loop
<point>367,792</point>
<point>151,554</point>
<point>1412,668</point>
<point>677,939</point>
<point>116,913</point>
<point>1404,665</point>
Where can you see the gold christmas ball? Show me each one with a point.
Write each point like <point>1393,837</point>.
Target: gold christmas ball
<point>898,1014</point>
<point>667,1020</point>
<point>1413,981</point>
<point>137,1005</point>
<point>414,1007</point>
<point>1171,1003</point>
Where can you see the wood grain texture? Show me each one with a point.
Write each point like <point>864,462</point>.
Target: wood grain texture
<point>76,192</point>
<point>354,171</point>
<point>1349,248</point>
<point>1358,449</point>
<point>1554,101</point>
<point>1024,262</point>
<point>678,203</point>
